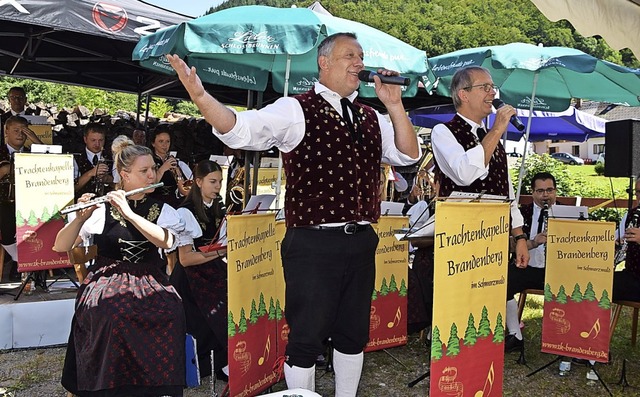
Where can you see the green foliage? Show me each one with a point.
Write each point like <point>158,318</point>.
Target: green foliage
<point>534,163</point>
<point>470,334</point>
<point>599,168</point>
<point>242,324</point>
<point>231,325</point>
<point>159,107</point>
<point>403,288</point>
<point>262,306</point>
<point>589,294</point>
<point>188,108</point>
<point>272,310</point>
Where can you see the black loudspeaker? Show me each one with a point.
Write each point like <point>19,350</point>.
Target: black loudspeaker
<point>622,148</point>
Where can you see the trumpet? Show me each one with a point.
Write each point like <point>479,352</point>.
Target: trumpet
<point>621,253</point>
<point>103,199</point>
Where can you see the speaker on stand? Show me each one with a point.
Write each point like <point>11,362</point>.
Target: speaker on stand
<point>622,151</point>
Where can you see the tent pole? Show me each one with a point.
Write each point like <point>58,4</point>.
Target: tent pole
<point>526,135</point>
<point>286,93</point>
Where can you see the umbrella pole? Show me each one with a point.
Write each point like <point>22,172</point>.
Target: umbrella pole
<point>286,93</point>
<point>526,135</point>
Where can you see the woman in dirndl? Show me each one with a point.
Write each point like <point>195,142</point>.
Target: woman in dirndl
<point>128,331</point>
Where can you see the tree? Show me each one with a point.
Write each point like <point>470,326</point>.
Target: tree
<point>45,215</point>
<point>384,289</point>
<point>56,212</point>
<point>262,306</point>
<point>436,344</point>
<point>484,326</point>
<point>576,295</point>
<point>453,344</point>
<point>498,331</point>
<point>548,295</point>
<point>403,288</point>
<point>253,314</point>
<point>242,324</point>
<point>604,303</point>
<point>393,287</point>
<point>374,295</point>
<point>562,296</point>
<point>272,310</point>
<point>278,310</point>
<point>231,326</point>
<point>33,219</point>
<point>589,294</point>
<point>20,221</point>
<point>470,334</point>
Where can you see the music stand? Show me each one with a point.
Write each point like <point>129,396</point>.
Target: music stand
<point>39,280</point>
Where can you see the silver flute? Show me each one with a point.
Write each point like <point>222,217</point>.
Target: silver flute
<point>102,199</point>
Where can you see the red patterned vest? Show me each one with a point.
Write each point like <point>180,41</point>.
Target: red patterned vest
<point>330,178</point>
<point>497,180</point>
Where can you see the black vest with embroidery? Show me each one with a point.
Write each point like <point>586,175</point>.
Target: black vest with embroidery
<point>632,262</point>
<point>167,192</point>
<point>332,177</point>
<point>8,182</point>
<point>496,181</point>
<point>209,228</point>
<point>120,240</point>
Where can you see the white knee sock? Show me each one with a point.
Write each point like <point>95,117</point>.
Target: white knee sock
<point>298,377</point>
<point>348,368</point>
<point>12,250</point>
<point>513,325</point>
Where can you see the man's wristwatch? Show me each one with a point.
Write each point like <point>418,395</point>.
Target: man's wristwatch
<point>522,236</point>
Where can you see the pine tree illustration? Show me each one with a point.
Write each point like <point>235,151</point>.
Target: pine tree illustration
<point>262,306</point>
<point>384,289</point>
<point>548,295</point>
<point>470,334</point>
<point>453,344</point>
<point>253,314</point>
<point>589,293</point>
<point>403,288</point>
<point>498,330</point>
<point>484,326</point>
<point>278,310</point>
<point>576,295</point>
<point>231,326</point>
<point>242,324</point>
<point>436,344</point>
<point>393,287</point>
<point>272,310</point>
<point>604,303</point>
<point>562,296</point>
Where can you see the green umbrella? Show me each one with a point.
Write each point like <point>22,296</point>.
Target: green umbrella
<point>543,78</point>
<point>245,47</point>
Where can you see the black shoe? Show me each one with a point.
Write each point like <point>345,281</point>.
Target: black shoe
<point>513,344</point>
<point>579,361</point>
<point>321,361</point>
<point>220,375</point>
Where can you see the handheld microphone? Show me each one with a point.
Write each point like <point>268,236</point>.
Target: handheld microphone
<point>515,121</point>
<point>367,76</point>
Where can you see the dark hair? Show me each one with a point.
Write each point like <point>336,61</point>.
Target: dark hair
<point>461,79</point>
<point>200,171</point>
<point>95,127</point>
<point>542,176</point>
<point>160,129</point>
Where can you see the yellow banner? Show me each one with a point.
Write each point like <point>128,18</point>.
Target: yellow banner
<point>254,306</point>
<point>578,286</point>
<point>267,179</point>
<point>471,256</point>
<point>44,132</point>
<point>44,185</point>
<point>388,325</point>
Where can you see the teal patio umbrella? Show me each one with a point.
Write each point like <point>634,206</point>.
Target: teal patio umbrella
<point>541,78</point>
<point>247,47</point>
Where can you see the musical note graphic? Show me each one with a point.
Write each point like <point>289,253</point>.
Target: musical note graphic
<point>490,377</point>
<point>596,328</point>
<point>267,350</point>
<point>396,319</point>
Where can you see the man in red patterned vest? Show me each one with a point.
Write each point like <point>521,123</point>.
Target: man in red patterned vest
<point>332,148</point>
<point>471,159</point>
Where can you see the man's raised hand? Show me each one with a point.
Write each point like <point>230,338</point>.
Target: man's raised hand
<point>187,76</point>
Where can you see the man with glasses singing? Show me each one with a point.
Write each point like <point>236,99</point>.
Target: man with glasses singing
<point>543,191</point>
<point>18,101</point>
<point>471,159</point>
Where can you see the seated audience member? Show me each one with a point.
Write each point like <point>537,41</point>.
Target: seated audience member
<point>626,283</point>
<point>543,192</point>
<point>16,133</point>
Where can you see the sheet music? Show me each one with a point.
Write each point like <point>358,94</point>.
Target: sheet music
<point>568,212</point>
<point>391,208</point>
<point>42,148</point>
<point>221,160</point>
<point>264,200</point>
<point>465,197</point>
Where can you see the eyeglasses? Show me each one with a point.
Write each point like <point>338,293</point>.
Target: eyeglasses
<point>548,190</point>
<point>17,97</point>
<point>487,87</point>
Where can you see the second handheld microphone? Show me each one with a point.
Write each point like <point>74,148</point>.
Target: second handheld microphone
<point>515,121</point>
<point>367,76</point>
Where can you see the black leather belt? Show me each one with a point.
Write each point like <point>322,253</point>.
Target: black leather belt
<point>349,228</point>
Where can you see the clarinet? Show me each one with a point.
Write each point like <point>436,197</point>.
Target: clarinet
<point>621,253</point>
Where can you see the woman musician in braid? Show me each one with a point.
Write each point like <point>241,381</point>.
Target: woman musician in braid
<point>128,331</point>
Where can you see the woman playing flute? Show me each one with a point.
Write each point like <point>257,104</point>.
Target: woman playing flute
<point>128,331</point>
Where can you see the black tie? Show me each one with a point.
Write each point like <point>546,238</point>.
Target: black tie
<point>346,105</point>
<point>95,159</point>
<point>481,133</point>
<point>541,219</point>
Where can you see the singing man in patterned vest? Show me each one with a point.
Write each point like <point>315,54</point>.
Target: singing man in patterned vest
<point>332,148</point>
<point>468,157</point>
